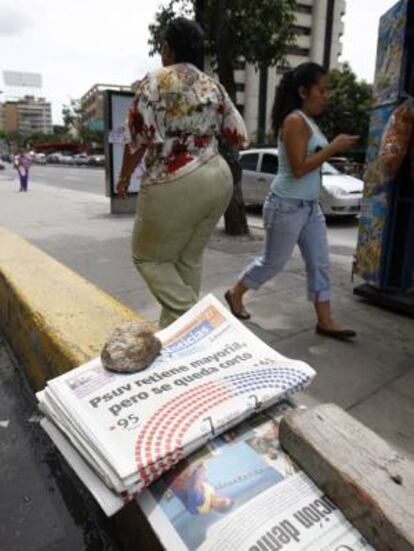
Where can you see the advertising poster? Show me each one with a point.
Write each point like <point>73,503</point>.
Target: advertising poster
<point>116,105</point>
<point>390,54</point>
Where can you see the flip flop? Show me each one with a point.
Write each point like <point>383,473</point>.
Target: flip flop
<point>342,335</point>
<point>243,315</point>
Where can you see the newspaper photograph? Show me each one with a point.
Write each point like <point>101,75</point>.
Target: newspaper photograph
<point>241,491</point>
<point>212,373</point>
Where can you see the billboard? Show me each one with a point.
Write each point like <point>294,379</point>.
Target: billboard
<point>19,79</point>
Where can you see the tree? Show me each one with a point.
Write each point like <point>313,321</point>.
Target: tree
<point>74,126</point>
<point>349,106</point>
<point>258,32</point>
<point>14,140</point>
<point>72,117</point>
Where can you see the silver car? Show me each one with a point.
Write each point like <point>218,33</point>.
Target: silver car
<point>341,194</point>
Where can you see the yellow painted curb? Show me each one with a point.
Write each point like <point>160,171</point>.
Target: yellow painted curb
<point>53,319</point>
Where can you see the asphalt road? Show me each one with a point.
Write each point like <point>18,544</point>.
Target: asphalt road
<point>89,180</point>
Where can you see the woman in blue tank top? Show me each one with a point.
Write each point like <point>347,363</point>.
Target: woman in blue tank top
<point>291,212</point>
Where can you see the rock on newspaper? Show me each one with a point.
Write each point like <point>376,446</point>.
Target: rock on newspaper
<point>241,491</point>
<point>212,373</point>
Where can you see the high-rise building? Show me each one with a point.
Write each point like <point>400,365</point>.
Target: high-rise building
<point>92,104</point>
<point>26,115</point>
<point>319,28</point>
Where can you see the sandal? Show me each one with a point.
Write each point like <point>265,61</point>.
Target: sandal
<point>342,335</point>
<point>242,315</point>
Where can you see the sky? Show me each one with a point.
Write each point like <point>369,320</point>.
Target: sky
<point>75,44</point>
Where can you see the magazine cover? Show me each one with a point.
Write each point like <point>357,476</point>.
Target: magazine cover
<point>390,54</point>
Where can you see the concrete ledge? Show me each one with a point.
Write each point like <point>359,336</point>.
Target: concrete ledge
<point>53,319</point>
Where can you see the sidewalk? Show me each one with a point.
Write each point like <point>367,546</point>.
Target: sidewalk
<point>372,378</point>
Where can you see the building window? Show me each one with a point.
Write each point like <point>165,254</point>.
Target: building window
<point>239,86</point>
<point>303,8</point>
<point>299,51</point>
<point>299,30</point>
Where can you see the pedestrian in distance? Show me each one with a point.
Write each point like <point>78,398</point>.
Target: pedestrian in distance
<point>175,119</point>
<point>22,163</point>
<point>291,212</point>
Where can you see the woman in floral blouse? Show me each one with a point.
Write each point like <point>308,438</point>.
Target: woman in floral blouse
<point>175,119</point>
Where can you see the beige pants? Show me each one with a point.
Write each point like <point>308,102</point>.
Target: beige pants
<point>172,226</point>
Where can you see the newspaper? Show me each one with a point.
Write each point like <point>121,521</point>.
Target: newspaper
<point>108,500</point>
<point>212,373</point>
<point>241,491</point>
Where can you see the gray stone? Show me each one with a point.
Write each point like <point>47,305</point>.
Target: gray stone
<point>131,347</point>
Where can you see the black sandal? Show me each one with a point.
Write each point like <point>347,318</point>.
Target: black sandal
<point>243,315</point>
<point>342,335</point>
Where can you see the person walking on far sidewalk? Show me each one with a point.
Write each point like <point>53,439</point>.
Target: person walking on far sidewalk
<point>176,118</point>
<point>291,212</point>
<point>22,164</point>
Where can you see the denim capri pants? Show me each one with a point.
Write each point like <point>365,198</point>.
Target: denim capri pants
<point>289,222</point>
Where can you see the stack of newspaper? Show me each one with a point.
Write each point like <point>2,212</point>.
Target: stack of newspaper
<point>129,429</point>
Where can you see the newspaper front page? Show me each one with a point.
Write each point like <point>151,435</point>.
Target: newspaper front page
<point>242,492</point>
<point>212,373</point>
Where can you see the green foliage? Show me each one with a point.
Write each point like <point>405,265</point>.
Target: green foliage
<point>40,138</point>
<point>163,16</point>
<point>261,31</point>
<point>349,106</point>
<point>89,136</point>
<point>14,139</point>
<point>72,121</point>
<point>72,115</point>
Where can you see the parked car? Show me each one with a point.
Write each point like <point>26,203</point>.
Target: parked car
<point>60,158</point>
<point>341,194</point>
<point>39,158</point>
<point>81,159</point>
<point>68,160</point>
<point>97,160</point>
<point>343,164</point>
<point>54,158</point>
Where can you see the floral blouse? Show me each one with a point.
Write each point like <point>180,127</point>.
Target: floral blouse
<point>177,113</point>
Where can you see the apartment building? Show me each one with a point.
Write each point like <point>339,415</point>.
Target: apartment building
<point>26,115</point>
<point>319,28</point>
<point>92,104</point>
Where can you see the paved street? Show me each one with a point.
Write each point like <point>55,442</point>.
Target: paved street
<point>90,180</point>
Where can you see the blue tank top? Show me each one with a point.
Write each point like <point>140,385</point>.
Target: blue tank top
<point>308,186</point>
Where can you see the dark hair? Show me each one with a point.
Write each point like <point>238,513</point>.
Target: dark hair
<point>287,97</point>
<point>186,40</point>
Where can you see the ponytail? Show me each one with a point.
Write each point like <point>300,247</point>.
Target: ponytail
<point>287,97</point>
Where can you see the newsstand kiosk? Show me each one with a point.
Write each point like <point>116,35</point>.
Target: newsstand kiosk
<point>385,251</point>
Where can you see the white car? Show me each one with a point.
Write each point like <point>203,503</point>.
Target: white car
<point>39,158</point>
<point>341,194</point>
<point>81,159</point>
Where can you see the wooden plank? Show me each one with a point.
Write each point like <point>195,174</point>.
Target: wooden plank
<point>370,482</point>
